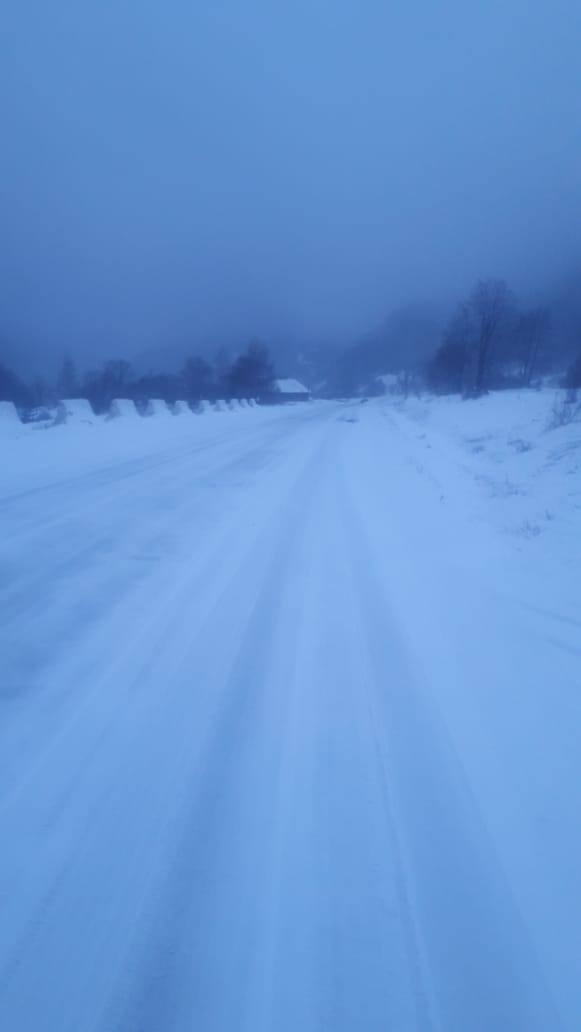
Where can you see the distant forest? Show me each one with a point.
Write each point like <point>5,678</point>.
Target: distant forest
<point>490,342</point>
<point>250,375</point>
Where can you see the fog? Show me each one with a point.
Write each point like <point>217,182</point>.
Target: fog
<point>186,175</point>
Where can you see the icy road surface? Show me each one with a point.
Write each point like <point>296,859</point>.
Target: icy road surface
<point>288,735</point>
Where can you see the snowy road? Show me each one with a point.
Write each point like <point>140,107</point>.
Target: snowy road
<point>278,743</point>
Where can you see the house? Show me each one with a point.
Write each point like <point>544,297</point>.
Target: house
<point>290,390</point>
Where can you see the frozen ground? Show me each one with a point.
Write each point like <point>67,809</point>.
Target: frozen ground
<point>289,721</point>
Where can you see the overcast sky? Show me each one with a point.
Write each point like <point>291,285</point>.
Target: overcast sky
<point>211,169</point>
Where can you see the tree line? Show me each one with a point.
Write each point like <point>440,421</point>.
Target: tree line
<point>490,343</point>
<point>250,375</point>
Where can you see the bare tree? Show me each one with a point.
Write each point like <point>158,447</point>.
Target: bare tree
<point>252,374</point>
<point>198,379</point>
<point>532,330</point>
<point>490,306</point>
<point>12,388</point>
<point>67,384</point>
<point>573,376</point>
<point>40,392</point>
<point>112,381</point>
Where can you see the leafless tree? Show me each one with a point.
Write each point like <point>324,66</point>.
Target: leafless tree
<point>532,330</point>
<point>490,306</point>
<point>198,379</point>
<point>67,383</point>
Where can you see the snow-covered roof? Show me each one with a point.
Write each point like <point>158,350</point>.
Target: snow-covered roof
<point>290,386</point>
<point>388,379</point>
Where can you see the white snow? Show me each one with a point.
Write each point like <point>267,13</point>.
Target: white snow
<point>389,380</point>
<point>289,721</point>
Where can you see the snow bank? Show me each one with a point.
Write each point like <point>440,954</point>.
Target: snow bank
<point>502,456</point>
<point>122,408</point>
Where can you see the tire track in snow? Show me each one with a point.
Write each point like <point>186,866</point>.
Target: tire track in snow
<point>272,915</point>
<point>96,793</point>
<point>201,933</point>
<point>236,836</point>
<point>166,591</point>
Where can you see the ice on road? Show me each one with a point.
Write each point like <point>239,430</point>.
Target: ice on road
<point>288,741</point>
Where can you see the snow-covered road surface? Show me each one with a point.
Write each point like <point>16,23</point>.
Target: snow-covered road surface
<point>287,742</point>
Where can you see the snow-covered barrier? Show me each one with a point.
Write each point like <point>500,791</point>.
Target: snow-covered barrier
<point>219,406</point>
<point>75,410</point>
<point>181,408</point>
<point>9,418</point>
<point>157,407</point>
<point>202,408</point>
<point>122,408</point>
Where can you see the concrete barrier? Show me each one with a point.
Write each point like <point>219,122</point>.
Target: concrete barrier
<point>122,408</point>
<point>10,421</point>
<point>181,408</point>
<point>75,410</point>
<point>157,407</point>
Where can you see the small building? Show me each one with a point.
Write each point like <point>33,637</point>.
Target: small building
<point>290,390</point>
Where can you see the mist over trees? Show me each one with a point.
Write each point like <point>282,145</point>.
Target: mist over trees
<point>406,336</point>
<point>251,374</point>
<point>199,379</point>
<point>490,344</point>
<point>68,385</point>
<point>489,341</point>
<point>12,388</point>
<point>532,334</point>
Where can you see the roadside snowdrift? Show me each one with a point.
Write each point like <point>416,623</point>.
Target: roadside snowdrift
<point>504,456</point>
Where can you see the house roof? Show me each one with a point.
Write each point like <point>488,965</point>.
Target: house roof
<point>290,386</point>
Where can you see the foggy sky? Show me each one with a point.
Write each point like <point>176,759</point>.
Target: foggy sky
<point>208,170</point>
